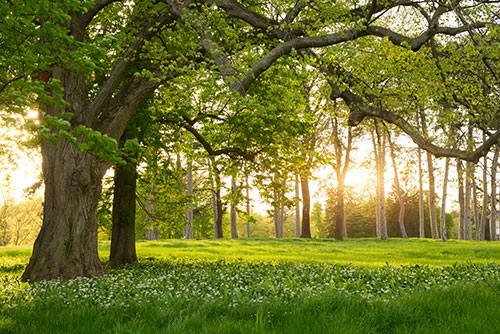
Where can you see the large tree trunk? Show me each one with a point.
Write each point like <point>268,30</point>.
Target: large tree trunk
<point>493,204</point>
<point>444,236</point>
<point>421,212</point>
<point>297,207</point>
<point>123,229</point>
<point>234,227</point>
<point>66,246</point>
<point>399,192</point>
<point>306,205</point>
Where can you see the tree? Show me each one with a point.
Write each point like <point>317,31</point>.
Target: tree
<point>397,186</point>
<point>124,208</point>
<point>444,236</point>
<point>340,164</point>
<point>113,56</point>
<point>379,147</point>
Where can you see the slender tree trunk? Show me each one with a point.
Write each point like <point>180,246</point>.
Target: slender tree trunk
<point>297,207</point>
<point>217,210</point>
<point>282,217</point>
<point>432,189</point>
<point>306,205</point>
<point>234,227</point>
<point>461,200</point>
<point>432,198</point>
<point>444,236</point>
<point>477,223</point>
<point>467,201</point>
<point>340,212</point>
<point>377,192</point>
<point>66,246</point>
<point>152,232</point>
<point>341,172</point>
<point>484,212</point>
<point>218,214</point>
<point>123,228</point>
<point>214,213</point>
<point>188,230</point>
<point>493,207</point>
<point>379,151</point>
<point>399,192</point>
<point>276,215</point>
<point>421,211</point>
<point>248,208</point>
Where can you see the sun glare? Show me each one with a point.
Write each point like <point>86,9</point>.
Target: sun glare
<point>19,166</point>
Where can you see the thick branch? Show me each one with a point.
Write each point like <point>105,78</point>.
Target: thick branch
<point>83,20</point>
<point>207,43</point>
<point>366,109</point>
<point>123,66</point>
<point>417,42</point>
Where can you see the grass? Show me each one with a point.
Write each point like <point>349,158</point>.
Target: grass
<point>363,252</point>
<point>266,286</point>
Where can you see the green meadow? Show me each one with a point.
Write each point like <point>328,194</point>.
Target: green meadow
<point>267,286</point>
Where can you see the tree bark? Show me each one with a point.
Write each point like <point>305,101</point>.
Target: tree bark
<point>477,223</point>
<point>467,200</point>
<point>480,230</point>
<point>461,200</point>
<point>493,204</point>
<point>306,205</point>
<point>66,246</point>
<point>297,207</point>
<point>444,236</point>
<point>279,212</point>
<point>399,192</point>
<point>248,208</point>
<point>188,230</point>
<point>282,209</point>
<point>432,198</point>
<point>234,227</point>
<point>217,209</point>
<point>379,151</point>
<point>124,208</point>
<point>341,172</point>
<point>277,215</point>
<point>421,212</point>
<point>432,189</point>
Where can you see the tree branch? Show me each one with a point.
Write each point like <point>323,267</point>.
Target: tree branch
<point>123,66</point>
<point>232,152</point>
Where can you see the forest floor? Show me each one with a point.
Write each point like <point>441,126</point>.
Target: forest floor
<point>267,286</point>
